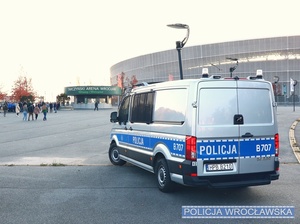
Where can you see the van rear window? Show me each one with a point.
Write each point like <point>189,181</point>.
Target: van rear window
<point>255,105</point>
<point>218,106</point>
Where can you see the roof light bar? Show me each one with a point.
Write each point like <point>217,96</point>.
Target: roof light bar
<point>259,74</point>
<point>204,72</point>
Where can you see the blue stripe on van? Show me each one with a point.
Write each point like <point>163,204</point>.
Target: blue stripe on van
<point>229,149</point>
<point>176,146</point>
<point>217,149</point>
<point>206,149</point>
<point>261,147</point>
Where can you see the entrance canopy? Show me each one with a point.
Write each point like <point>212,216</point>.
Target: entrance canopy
<point>86,97</point>
<point>93,91</point>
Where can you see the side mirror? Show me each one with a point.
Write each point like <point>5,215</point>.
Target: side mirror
<point>114,117</point>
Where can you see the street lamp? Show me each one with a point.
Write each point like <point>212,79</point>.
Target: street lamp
<point>180,44</point>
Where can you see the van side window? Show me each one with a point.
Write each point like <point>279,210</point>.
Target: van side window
<point>170,106</point>
<point>142,107</point>
<point>123,111</point>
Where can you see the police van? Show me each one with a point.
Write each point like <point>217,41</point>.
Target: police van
<point>212,131</point>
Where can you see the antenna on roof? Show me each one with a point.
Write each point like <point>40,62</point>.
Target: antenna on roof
<point>215,66</point>
<point>231,69</point>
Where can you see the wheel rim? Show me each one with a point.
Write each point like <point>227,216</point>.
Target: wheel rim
<point>115,155</point>
<point>162,175</point>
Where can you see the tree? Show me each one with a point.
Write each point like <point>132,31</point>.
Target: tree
<point>2,94</point>
<point>62,98</point>
<point>23,90</point>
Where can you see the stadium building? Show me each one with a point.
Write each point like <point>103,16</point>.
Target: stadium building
<point>278,57</point>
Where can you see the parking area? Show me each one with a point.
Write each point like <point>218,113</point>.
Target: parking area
<point>66,138</point>
<point>81,137</point>
<point>58,171</point>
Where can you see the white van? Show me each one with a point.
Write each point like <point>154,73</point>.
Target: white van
<point>216,132</point>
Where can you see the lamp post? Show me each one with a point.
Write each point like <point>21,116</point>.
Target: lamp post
<point>180,44</point>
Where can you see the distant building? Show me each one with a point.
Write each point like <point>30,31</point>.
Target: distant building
<point>278,57</point>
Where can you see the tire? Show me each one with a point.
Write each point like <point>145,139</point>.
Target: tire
<point>162,173</point>
<point>114,155</point>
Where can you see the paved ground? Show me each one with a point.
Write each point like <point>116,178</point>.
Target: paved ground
<point>81,137</point>
<point>67,137</point>
<point>286,117</point>
<point>91,190</point>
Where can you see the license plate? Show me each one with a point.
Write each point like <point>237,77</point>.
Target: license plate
<point>219,167</point>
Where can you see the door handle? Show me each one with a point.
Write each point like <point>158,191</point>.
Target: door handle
<point>247,135</point>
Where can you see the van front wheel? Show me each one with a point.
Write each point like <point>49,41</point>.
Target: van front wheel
<point>114,155</point>
<point>163,176</point>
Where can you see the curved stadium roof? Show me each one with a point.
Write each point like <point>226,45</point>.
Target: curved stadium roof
<point>276,56</point>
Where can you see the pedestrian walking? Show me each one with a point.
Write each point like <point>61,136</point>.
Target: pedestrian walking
<point>96,105</point>
<point>5,108</point>
<point>30,111</point>
<point>54,107</point>
<point>21,107</point>
<point>25,111</point>
<point>44,110</point>
<point>57,106</point>
<point>17,109</point>
<point>51,107</point>
<point>36,111</point>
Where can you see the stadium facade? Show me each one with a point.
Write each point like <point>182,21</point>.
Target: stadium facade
<point>278,57</point>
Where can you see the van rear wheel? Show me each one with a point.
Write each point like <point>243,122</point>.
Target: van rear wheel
<point>164,182</point>
<point>114,155</point>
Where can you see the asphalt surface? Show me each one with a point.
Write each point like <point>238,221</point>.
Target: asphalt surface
<point>287,117</point>
<point>58,171</point>
<point>82,138</point>
<point>66,138</point>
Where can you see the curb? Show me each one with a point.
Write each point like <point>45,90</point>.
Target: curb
<point>293,141</point>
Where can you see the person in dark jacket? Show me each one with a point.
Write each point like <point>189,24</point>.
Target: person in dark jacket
<point>96,105</point>
<point>5,108</point>
<point>30,111</point>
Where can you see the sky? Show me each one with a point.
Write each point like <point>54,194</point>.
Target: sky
<point>61,43</point>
